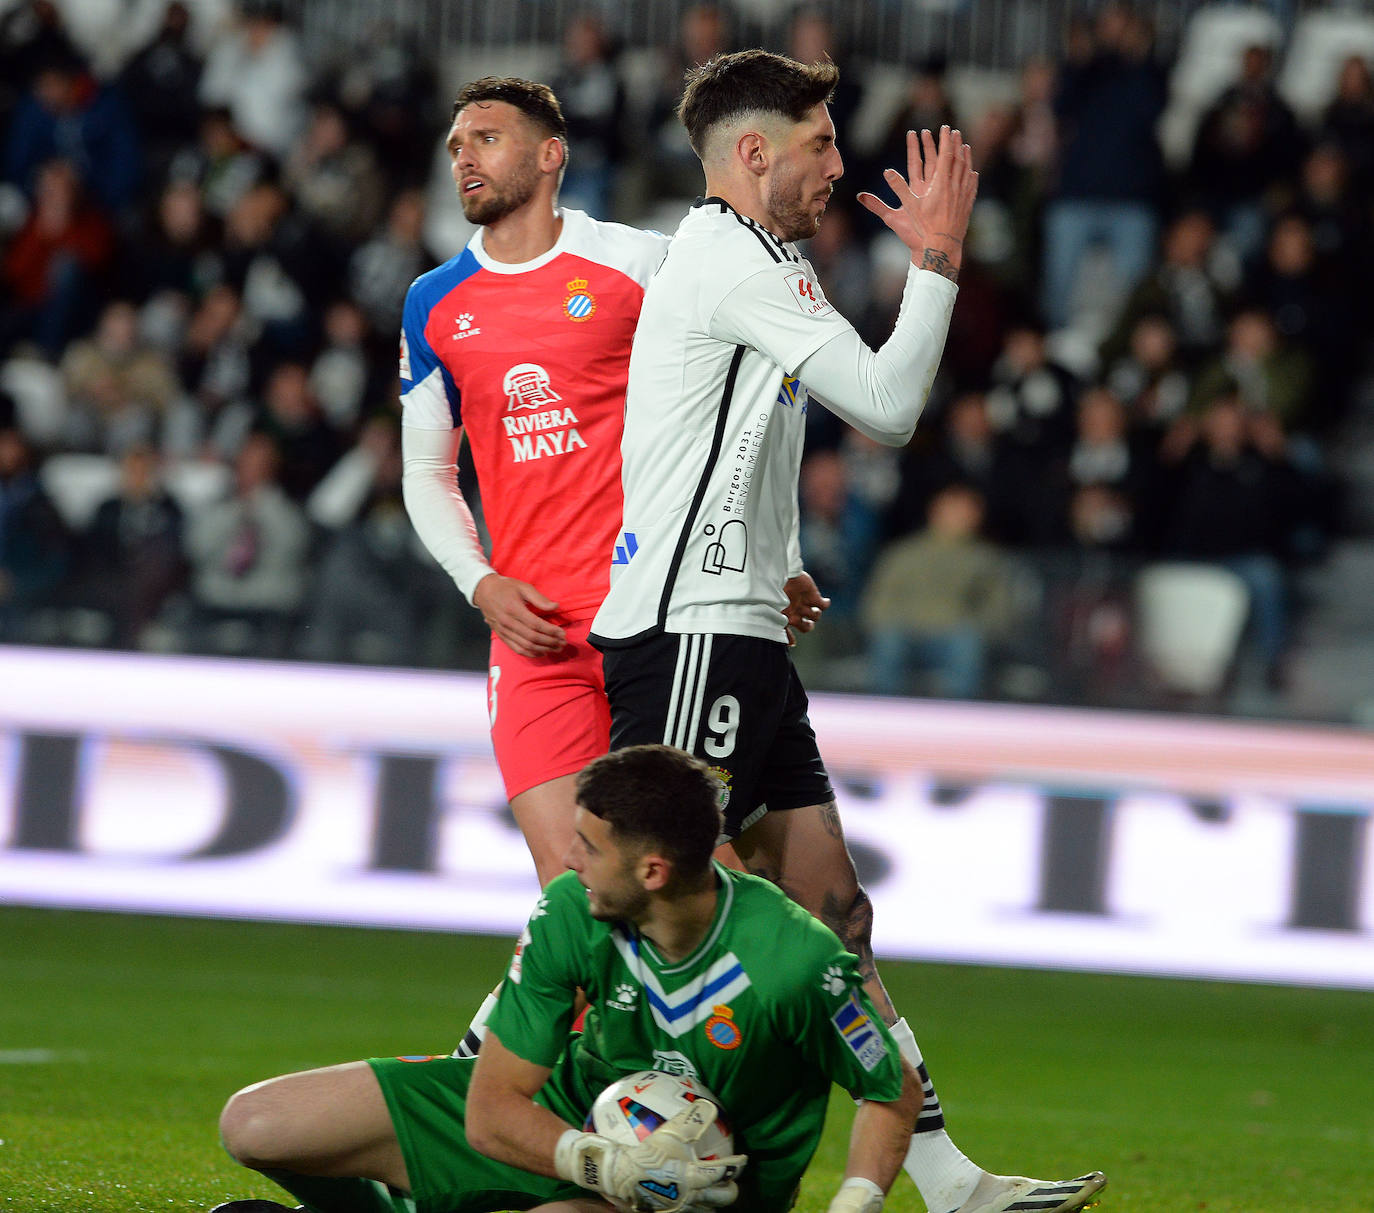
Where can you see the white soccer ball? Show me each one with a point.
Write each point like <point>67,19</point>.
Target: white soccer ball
<point>634,1106</point>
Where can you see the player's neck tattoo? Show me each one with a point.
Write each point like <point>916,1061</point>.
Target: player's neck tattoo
<point>939,263</point>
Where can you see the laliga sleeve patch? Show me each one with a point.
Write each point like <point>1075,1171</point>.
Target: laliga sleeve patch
<point>405,357</point>
<point>517,961</point>
<point>806,294</point>
<point>859,1032</point>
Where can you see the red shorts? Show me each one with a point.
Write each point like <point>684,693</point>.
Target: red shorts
<point>549,715</point>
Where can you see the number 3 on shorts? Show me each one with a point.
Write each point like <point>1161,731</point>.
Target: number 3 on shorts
<point>492,679</point>
<point>722,723</point>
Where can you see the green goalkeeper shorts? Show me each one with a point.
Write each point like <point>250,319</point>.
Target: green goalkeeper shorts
<point>427,1099</point>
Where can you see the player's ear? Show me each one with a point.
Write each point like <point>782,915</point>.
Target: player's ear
<point>552,155</point>
<point>655,871</point>
<point>751,150</point>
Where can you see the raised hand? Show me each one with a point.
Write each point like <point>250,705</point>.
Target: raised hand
<point>934,200</point>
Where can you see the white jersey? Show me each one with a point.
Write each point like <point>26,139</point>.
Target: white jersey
<point>732,324</point>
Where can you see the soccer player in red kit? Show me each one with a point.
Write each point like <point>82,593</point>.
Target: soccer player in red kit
<point>521,344</point>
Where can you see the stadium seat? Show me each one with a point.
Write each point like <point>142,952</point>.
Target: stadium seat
<point>1189,622</point>
<point>40,397</point>
<point>1323,39</point>
<point>78,484</point>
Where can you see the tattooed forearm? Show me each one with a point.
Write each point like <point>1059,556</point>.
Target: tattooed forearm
<point>939,263</point>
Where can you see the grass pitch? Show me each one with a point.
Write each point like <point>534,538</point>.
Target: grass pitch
<point>121,1036</point>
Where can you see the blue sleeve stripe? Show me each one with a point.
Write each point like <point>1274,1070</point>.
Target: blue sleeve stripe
<point>425,293</point>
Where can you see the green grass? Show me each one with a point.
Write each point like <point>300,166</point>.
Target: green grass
<point>1192,1096</point>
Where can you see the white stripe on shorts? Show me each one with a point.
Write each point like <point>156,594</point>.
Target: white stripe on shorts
<point>683,718</point>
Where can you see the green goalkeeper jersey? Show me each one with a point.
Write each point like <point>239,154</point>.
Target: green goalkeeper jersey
<point>767,1012</point>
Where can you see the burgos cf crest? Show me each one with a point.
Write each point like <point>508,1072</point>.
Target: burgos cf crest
<point>527,387</point>
<point>581,303</point>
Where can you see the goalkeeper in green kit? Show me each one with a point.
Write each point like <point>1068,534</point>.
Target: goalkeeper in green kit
<point>686,967</point>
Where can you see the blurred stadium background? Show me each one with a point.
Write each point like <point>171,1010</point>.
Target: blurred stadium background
<point>1143,493</point>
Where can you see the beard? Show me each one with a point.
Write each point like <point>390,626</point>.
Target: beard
<point>789,213</point>
<point>496,202</point>
<point>624,903</point>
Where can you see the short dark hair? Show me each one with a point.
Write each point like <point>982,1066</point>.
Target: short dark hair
<point>658,797</point>
<point>744,81</point>
<point>536,101</point>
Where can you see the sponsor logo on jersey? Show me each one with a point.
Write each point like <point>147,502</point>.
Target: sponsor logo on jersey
<point>806,294</point>
<point>465,327</point>
<point>721,1029</point>
<point>626,548</point>
<point>580,304</point>
<point>859,1033</point>
<point>728,550</point>
<point>405,357</point>
<point>527,387</point>
<point>670,1061</point>
<point>625,998</point>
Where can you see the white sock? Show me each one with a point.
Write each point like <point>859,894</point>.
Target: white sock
<point>944,1177</point>
<point>477,1029</point>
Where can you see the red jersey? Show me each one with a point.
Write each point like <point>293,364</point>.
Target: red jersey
<point>531,361</point>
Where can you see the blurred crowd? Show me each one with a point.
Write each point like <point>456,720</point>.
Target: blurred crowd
<point>206,238</point>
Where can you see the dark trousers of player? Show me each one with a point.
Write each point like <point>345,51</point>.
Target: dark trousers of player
<point>735,702</point>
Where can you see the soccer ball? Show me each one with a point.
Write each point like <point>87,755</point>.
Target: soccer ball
<point>634,1106</point>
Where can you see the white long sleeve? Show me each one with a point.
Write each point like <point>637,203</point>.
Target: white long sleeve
<point>438,511</point>
<point>882,393</point>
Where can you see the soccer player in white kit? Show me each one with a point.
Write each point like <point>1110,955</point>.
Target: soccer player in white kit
<point>735,338</point>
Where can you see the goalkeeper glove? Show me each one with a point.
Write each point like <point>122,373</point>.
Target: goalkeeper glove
<point>662,1172</point>
<point>857,1195</point>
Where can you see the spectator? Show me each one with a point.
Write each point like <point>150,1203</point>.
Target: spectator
<point>131,553</point>
<point>1349,120</point>
<point>306,445</point>
<point>1244,153</point>
<point>334,177</point>
<point>1313,304</point>
<point>257,73</point>
<point>1110,175</point>
<point>34,544</point>
<point>279,268</point>
<point>381,271</point>
<point>959,447</point>
<point>376,585</point>
<point>1149,378</point>
<point>222,163</point>
<point>1232,502</point>
<point>811,38</point>
<point>52,268</point>
<point>247,557</point>
<point>68,113</point>
<point>118,388</point>
<point>31,34</point>
<point>703,32</point>
<point>1193,285</point>
<point>838,531</point>
<point>937,601</point>
<point>178,251</point>
<point>160,83</point>
<point>1107,455</point>
<point>592,94</point>
<point>341,372</point>
<point>1270,376</point>
<point>213,419</point>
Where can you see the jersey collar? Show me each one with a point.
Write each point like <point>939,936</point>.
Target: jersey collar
<point>714,202</point>
<point>725,899</point>
<point>571,219</point>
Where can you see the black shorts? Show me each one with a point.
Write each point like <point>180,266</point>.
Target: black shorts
<point>735,702</point>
